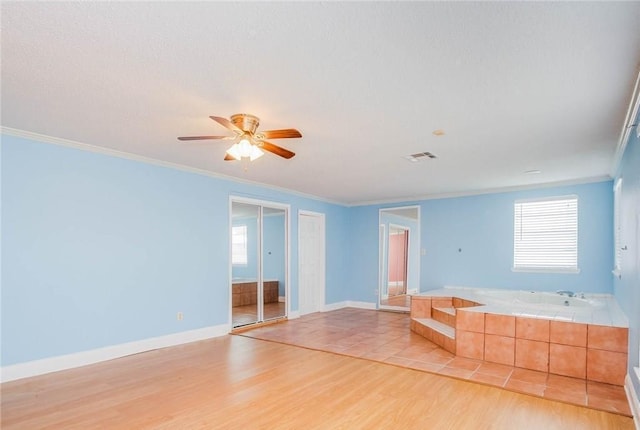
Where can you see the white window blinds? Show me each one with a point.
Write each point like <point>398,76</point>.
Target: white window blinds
<point>546,235</point>
<point>239,244</point>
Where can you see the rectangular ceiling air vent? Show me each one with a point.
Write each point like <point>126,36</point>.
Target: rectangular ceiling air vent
<point>419,155</point>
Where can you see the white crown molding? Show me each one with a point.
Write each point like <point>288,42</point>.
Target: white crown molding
<point>627,127</point>
<point>405,200</point>
<point>42,138</point>
<point>83,358</point>
<point>417,199</point>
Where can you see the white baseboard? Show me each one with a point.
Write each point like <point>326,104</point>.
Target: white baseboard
<point>632,396</point>
<point>362,305</point>
<point>69,361</point>
<point>293,315</point>
<point>334,306</point>
<point>348,304</point>
<point>281,299</point>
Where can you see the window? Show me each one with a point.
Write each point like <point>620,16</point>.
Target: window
<point>546,235</point>
<point>239,244</point>
<point>617,228</point>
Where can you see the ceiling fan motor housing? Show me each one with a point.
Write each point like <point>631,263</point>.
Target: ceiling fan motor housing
<point>245,122</point>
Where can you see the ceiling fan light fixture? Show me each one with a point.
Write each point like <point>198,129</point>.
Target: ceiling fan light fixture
<point>248,143</point>
<point>245,149</point>
<point>255,153</point>
<point>234,151</point>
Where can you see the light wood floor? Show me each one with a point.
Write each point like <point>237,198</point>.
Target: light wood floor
<point>235,382</point>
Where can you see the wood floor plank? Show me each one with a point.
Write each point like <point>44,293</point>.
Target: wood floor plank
<point>235,382</point>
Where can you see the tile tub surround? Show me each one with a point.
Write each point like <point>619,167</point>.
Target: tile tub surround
<point>604,312</point>
<point>592,352</point>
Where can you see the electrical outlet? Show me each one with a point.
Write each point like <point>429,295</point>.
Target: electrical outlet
<point>180,316</point>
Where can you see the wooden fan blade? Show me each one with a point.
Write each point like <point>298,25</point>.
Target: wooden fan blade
<point>206,137</point>
<point>285,133</point>
<point>275,149</point>
<point>228,157</point>
<point>227,124</point>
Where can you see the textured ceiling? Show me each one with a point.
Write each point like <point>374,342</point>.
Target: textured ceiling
<point>516,86</point>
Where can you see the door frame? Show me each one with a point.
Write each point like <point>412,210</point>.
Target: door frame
<point>287,249</point>
<point>321,293</point>
<point>383,254</point>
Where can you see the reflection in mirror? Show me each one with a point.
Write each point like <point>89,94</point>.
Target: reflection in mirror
<point>258,257</point>
<point>397,256</point>
<point>274,262</point>
<point>244,261</point>
<point>399,264</point>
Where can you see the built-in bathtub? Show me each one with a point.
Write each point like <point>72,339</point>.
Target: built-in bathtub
<point>601,309</point>
<point>582,336</point>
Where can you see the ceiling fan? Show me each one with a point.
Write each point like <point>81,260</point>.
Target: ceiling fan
<point>249,143</point>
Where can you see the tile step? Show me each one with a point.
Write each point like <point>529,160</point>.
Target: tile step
<point>450,311</point>
<point>445,315</point>
<point>441,328</point>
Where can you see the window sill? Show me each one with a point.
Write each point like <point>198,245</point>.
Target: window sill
<point>544,270</point>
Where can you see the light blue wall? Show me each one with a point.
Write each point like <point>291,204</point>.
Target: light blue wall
<point>627,288</point>
<point>469,241</point>
<point>99,250</point>
<point>363,245</point>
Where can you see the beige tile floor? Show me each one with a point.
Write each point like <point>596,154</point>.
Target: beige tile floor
<point>386,337</point>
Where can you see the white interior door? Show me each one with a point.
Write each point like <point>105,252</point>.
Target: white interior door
<point>311,262</point>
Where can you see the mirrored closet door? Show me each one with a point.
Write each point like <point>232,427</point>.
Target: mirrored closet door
<point>259,243</point>
<point>399,260</point>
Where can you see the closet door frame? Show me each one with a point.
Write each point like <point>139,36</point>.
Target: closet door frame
<point>287,249</point>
